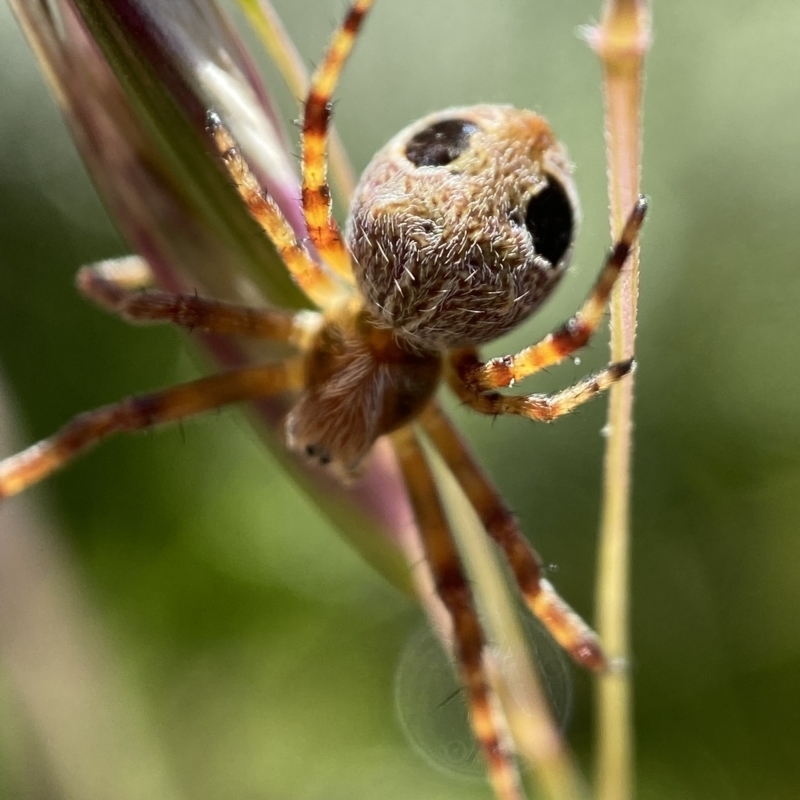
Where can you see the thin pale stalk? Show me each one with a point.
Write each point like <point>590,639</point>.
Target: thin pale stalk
<point>267,24</point>
<point>621,41</point>
<point>525,710</point>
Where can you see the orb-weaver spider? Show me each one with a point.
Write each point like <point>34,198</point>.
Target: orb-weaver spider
<point>459,228</point>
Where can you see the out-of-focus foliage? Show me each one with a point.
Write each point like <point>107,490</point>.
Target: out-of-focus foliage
<point>257,649</point>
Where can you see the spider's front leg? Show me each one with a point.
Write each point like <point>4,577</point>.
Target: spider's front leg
<point>476,378</point>
<point>319,285</point>
<point>322,228</point>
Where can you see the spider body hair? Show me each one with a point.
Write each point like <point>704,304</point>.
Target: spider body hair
<point>450,249</point>
<point>361,382</point>
<point>452,246</point>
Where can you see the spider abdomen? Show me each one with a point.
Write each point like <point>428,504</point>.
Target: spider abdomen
<point>462,225</point>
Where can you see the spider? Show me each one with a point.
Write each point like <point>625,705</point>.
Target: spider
<point>459,228</point>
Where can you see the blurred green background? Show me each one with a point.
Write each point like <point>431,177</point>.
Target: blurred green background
<point>233,645</point>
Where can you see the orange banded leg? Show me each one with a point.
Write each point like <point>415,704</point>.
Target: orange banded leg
<point>265,22</point>
<point>564,625</point>
<point>135,413</point>
<point>107,284</point>
<point>555,347</point>
<point>321,287</point>
<point>322,228</point>
<point>540,407</point>
<point>453,589</point>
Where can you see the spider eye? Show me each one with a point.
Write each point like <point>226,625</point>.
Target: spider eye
<point>440,143</point>
<point>550,221</point>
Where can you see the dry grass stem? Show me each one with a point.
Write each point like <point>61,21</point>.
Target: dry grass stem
<point>536,736</point>
<point>621,41</point>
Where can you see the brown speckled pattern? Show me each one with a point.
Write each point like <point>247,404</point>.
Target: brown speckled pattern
<point>442,255</point>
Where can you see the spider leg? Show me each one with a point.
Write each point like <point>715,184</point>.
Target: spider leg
<point>20,471</point>
<point>267,24</point>
<point>453,589</point>
<point>541,407</point>
<point>321,287</point>
<point>507,370</point>
<point>564,625</point>
<point>113,285</point>
<point>322,228</point>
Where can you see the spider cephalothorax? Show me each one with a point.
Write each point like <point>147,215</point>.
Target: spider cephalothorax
<point>462,224</point>
<point>362,382</point>
<point>459,228</point>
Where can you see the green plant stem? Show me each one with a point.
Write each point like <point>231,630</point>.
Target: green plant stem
<point>621,42</point>
<point>514,678</point>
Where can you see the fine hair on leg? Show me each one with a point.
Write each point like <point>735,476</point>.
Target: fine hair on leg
<point>564,625</point>
<point>322,228</point>
<point>555,347</point>
<point>111,292</point>
<point>143,411</point>
<point>319,285</point>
